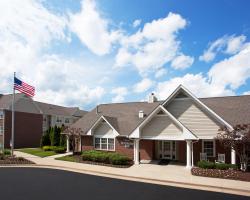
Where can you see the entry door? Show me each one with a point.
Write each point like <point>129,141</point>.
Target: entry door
<point>167,149</point>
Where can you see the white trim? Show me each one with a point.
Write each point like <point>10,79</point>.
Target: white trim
<point>107,138</point>
<point>214,147</point>
<point>90,131</point>
<point>199,102</point>
<point>186,134</point>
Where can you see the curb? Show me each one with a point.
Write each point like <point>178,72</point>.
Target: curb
<point>141,179</point>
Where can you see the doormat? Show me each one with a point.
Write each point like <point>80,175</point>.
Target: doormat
<point>164,162</point>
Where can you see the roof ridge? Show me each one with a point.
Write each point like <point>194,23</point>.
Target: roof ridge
<point>242,95</point>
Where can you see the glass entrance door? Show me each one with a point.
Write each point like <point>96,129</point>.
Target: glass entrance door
<point>167,150</point>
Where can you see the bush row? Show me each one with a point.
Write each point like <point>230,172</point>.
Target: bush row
<point>212,165</point>
<point>105,157</point>
<point>56,149</point>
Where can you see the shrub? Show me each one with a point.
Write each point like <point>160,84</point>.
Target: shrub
<point>224,166</point>
<point>45,140</point>
<point>59,150</point>
<point>206,165</point>
<point>2,156</point>
<point>63,141</point>
<point>48,148</point>
<point>6,152</point>
<point>105,157</point>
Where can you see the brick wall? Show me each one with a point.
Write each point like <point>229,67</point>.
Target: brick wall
<point>28,129</point>
<point>147,149</point>
<point>87,143</point>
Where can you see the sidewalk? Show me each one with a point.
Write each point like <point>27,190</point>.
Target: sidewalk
<point>172,175</point>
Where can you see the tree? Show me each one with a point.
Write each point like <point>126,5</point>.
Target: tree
<point>45,140</point>
<point>74,135</point>
<point>239,140</point>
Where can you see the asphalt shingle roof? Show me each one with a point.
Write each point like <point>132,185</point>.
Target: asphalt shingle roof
<point>124,116</point>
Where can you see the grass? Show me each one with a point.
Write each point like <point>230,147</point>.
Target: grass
<point>37,152</point>
<point>69,158</point>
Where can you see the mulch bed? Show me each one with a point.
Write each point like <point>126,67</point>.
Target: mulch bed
<point>79,159</point>
<point>15,161</point>
<point>225,174</point>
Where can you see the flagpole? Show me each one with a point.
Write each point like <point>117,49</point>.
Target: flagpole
<point>13,118</point>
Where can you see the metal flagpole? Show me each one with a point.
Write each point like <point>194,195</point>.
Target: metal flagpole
<point>13,118</point>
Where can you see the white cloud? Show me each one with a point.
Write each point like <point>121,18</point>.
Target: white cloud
<point>93,29</point>
<point>196,83</point>
<point>25,34</point>
<point>144,85</point>
<point>136,23</point>
<point>153,46</point>
<point>120,93</point>
<point>223,78</point>
<point>226,44</point>
<point>233,71</point>
<point>182,62</point>
<point>161,72</point>
<point>246,93</point>
<point>235,44</point>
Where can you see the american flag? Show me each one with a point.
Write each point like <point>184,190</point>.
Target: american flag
<point>24,87</point>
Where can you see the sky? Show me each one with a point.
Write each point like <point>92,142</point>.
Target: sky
<point>83,53</point>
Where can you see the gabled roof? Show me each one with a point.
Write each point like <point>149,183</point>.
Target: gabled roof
<point>50,109</point>
<point>6,100</point>
<point>181,89</point>
<point>123,116</point>
<point>111,121</point>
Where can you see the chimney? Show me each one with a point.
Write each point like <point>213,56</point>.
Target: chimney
<point>141,114</point>
<point>97,111</point>
<point>152,98</point>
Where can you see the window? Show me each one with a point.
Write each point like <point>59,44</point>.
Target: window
<point>209,148</point>
<point>1,114</point>
<point>67,120</point>
<point>107,144</point>
<point>1,130</point>
<point>58,119</point>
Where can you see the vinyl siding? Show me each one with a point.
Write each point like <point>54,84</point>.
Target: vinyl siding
<point>193,117</point>
<point>161,126</point>
<point>103,129</point>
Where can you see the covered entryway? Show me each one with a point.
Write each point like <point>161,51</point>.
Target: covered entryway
<point>166,150</point>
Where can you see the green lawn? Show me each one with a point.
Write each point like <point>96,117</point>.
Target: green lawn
<point>37,152</point>
<point>69,158</point>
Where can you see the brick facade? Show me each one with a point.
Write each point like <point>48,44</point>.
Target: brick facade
<point>148,149</point>
<point>28,129</point>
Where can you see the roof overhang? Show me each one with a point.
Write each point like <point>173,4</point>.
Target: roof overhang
<point>186,134</point>
<point>206,108</point>
<point>90,131</point>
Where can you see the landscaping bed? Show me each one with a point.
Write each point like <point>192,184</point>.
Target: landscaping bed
<point>7,159</point>
<point>93,157</point>
<point>219,170</point>
<point>218,173</point>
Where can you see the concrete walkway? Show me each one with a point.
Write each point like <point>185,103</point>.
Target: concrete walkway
<point>151,173</point>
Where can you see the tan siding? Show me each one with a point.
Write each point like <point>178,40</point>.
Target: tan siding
<point>161,126</point>
<point>103,129</point>
<point>193,117</point>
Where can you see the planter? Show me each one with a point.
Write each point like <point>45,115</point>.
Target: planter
<point>15,161</point>
<point>225,174</point>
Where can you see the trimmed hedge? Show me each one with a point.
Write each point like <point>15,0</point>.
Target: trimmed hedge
<point>105,157</point>
<point>212,165</point>
<point>49,148</point>
<point>59,150</point>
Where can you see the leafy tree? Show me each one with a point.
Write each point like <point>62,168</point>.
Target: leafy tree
<point>239,140</point>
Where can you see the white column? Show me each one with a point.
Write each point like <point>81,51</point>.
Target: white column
<point>233,157</point>
<point>68,146</point>
<point>136,148</point>
<point>189,153</point>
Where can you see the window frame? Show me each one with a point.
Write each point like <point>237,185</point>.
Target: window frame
<point>214,148</point>
<point>1,130</point>
<point>1,114</point>
<point>101,138</point>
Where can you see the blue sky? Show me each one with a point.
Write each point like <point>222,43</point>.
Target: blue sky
<point>81,53</point>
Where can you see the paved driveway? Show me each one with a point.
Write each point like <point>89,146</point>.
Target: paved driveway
<point>37,183</point>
